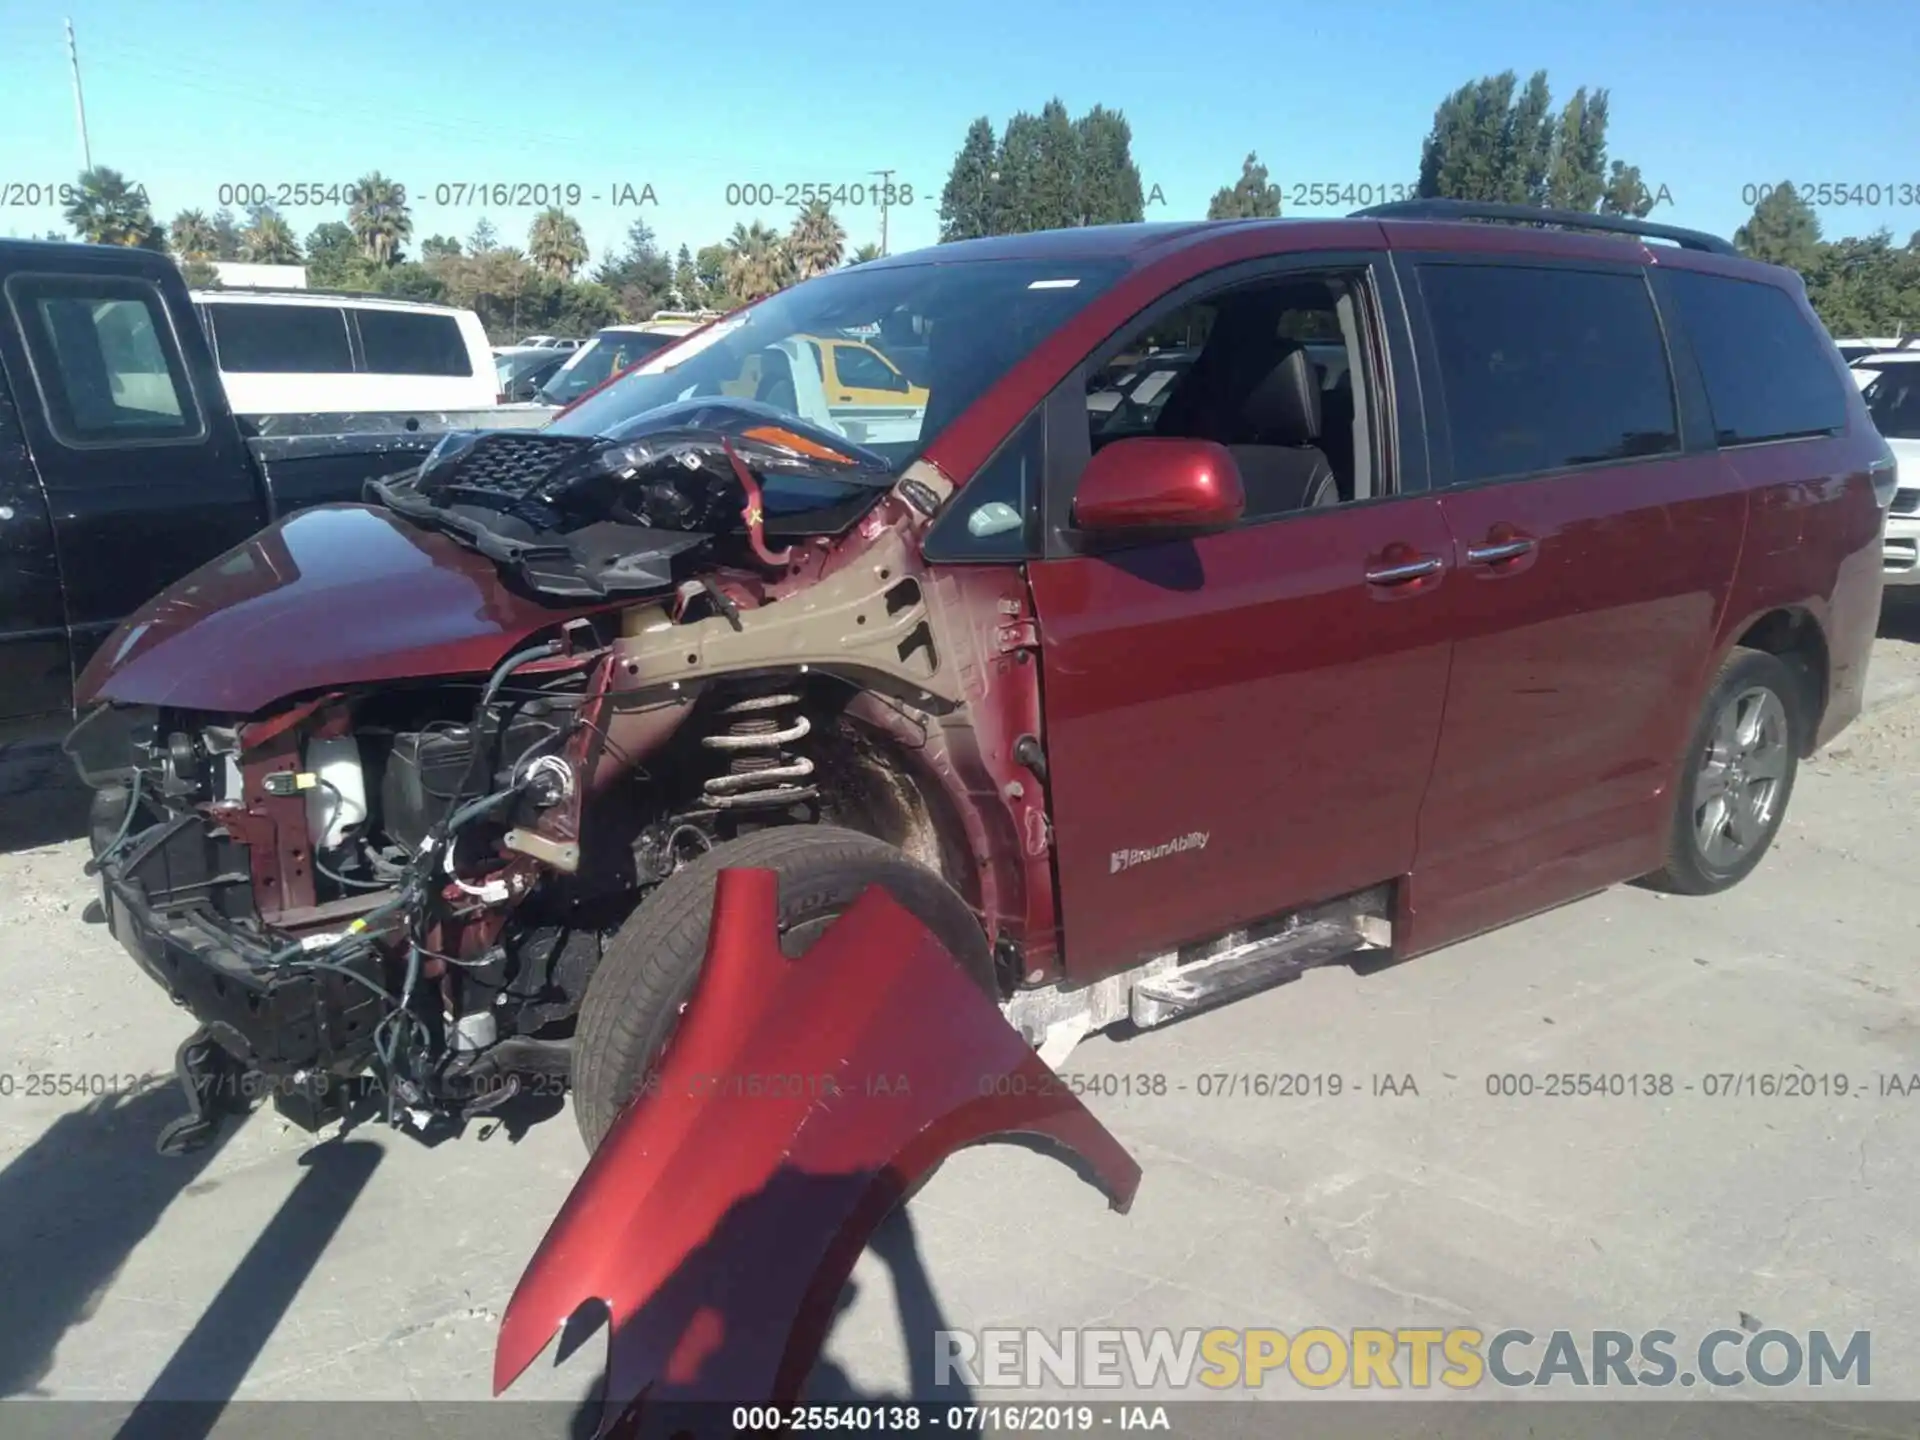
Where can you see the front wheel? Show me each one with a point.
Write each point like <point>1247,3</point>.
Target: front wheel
<point>1738,776</point>
<point>648,969</point>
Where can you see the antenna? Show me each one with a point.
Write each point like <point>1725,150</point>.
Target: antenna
<point>886,195</point>
<point>79,103</point>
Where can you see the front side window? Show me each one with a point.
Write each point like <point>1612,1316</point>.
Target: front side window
<point>403,342</point>
<point>1264,369</point>
<point>951,327</point>
<point>104,353</point>
<point>282,339</point>
<point>1768,375</point>
<point>1545,369</point>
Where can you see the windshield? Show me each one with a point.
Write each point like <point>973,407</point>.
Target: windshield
<point>512,367</point>
<point>602,357</point>
<point>911,347</point>
<point>1893,401</point>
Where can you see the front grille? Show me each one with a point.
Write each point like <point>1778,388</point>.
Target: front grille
<point>1899,556</point>
<point>1906,502</point>
<point>508,466</point>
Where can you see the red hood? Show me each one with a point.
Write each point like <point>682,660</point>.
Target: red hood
<point>798,1103</point>
<point>336,595</point>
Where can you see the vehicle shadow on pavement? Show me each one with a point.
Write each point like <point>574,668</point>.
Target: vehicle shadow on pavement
<point>42,801</point>
<point>73,1207</point>
<point>1899,619</point>
<point>209,1365</point>
<point>707,1338</point>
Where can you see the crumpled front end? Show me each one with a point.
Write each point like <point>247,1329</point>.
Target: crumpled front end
<point>798,1104</point>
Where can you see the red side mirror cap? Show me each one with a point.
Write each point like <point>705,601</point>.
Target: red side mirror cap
<point>1159,483</point>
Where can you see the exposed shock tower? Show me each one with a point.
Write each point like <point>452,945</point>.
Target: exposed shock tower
<point>763,771</point>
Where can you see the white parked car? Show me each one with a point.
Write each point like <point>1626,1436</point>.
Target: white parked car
<point>1865,363</point>
<point>1893,400</point>
<point>303,352</point>
<point>616,348</point>
<point>548,342</point>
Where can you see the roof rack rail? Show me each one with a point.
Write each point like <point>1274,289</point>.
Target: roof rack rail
<point>1540,215</point>
<point>283,292</point>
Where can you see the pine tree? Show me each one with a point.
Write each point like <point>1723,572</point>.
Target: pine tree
<point>1108,181</point>
<point>966,204</point>
<point>1784,230</point>
<point>1250,197</point>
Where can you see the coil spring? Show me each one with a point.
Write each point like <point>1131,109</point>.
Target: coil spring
<point>761,772</point>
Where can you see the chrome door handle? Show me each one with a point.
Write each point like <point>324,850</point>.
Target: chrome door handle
<point>1493,554</point>
<point>1410,570</point>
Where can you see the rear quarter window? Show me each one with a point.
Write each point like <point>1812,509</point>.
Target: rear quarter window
<point>282,339</point>
<point>399,342</point>
<point>1545,368</point>
<point>1769,374</point>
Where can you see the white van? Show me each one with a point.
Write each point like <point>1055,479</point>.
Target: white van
<point>300,352</point>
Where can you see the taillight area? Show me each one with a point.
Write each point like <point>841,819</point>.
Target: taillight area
<point>1885,474</point>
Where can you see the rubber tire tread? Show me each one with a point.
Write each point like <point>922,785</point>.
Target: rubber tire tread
<point>1683,872</point>
<point>648,968</point>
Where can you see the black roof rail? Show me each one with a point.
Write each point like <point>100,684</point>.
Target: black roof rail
<point>1540,215</point>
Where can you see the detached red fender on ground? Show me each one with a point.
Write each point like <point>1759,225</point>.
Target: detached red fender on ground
<point>798,1103</point>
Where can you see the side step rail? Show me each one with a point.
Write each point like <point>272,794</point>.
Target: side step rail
<point>1241,970</point>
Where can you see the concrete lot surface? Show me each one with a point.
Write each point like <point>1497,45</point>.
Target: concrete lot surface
<point>277,1267</point>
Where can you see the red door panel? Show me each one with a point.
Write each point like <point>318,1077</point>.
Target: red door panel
<point>1576,677</point>
<point>1238,724</point>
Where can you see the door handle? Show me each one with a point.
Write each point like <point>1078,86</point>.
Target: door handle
<point>1405,571</point>
<point>1494,552</point>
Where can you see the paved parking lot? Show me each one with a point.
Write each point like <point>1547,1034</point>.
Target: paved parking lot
<point>273,1267</point>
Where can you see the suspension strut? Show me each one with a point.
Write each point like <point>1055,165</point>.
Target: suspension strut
<point>762,771</point>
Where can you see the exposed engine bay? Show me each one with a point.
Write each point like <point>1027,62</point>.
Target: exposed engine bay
<point>411,882</point>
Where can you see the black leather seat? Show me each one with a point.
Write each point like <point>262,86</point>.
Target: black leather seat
<point>1336,431</point>
<point>1276,442</point>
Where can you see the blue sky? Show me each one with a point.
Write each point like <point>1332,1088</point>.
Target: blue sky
<point>1708,98</point>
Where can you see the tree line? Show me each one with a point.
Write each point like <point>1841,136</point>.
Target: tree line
<point>542,285</point>
<point>1492,139</point>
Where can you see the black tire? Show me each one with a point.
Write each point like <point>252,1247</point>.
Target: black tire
<point>1691,867</point>
<point>634,998</point>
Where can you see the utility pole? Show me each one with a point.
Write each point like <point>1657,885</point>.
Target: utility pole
<point>79,104</point>
<point>886,195</point>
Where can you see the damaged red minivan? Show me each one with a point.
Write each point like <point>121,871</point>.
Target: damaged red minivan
<point>1209,602</point>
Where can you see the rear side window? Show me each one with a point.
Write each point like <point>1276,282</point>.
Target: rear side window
<point>400,342</point>
<point>106,361</point>
<point>282,339</point>
<point>1544,369</point>
<point>1768,375</point>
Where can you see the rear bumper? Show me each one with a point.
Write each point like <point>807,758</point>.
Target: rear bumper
<point>279,1021</point>
<point>1900,543</point>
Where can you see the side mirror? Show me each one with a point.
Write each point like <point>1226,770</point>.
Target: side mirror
<point>1156,483</point>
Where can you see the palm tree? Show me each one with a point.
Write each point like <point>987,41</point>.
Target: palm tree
<point>817,240</point>
<point>268,239</point>
<point>866,252</point>
<point>757,262</point>
<point>194,236</point>
<point>557,243</point>
<point>379,217</point>
<point>109,211</point>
